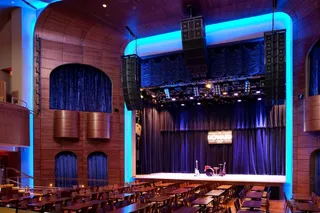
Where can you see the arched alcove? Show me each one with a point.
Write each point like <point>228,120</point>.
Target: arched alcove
<point>98,169</point>
<point>66,169</point>
<point>312,100</point>
<point>315,171</point>
<point>80,87</point>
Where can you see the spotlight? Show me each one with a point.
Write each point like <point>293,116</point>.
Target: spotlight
<point>173,99</point>
<point>300,96</point>
<point>217,89</point>
<point>208,85</point>
<point>225,93</point>
<point>239,100</point>
<point>141,96</point>
<point>104,5</point>
<point>199,103</point>
<point>236,94</point>
<point>259,99</point>
<point>153,96</point>
<point>182,104</point>
<point>258,91</point>
<point>191,98</point>
<point>161,105</point>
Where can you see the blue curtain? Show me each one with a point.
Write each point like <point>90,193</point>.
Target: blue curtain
<point>98,169</point>
<point>314,83</point>
<point>245,59</point>
<point>66,167</point>
<point>173,138</point>
<point>317,174</point>
<point>80,87</point>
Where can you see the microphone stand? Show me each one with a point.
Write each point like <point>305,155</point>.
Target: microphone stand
<point>196,170</point>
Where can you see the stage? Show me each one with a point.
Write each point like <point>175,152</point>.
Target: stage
<point>229,178</point>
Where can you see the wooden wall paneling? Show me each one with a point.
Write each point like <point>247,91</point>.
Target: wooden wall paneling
<point>98,125</point>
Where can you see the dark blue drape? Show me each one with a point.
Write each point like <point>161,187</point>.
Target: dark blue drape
<point>317,174</point>
<point>66,169</point>
<point>80,87</point>
<point>245,59</point>
<point>172,139</point>
<point>314,83</point>
<point>98,169</point>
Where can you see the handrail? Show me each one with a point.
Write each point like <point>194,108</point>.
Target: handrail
<point>8,180</point>
<point>19,172</point>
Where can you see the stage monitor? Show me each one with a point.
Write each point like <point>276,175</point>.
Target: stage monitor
<point>220,137</point>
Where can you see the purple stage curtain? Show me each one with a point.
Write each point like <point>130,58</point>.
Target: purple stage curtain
<point>173,138</point>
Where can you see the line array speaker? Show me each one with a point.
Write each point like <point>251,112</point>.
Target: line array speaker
<point>131,82</point>
<point>194,46</point>
<point>275,67</point>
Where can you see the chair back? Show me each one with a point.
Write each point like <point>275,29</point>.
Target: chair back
<point>237,204</point>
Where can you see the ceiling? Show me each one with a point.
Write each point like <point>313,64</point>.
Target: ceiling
<point>150,17</point>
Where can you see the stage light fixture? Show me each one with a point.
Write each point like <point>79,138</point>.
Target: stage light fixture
<point>104,5</point>
<point>173,99</point>
<point>166,91</point>
<point>199,103</point>
<point>153,96</point>
<point>239,100</point>
<point>247,87</point>
<point>225,93</point>
<point>161,105</point>
<point>208,85</point>
<point>258,92</point>
<point>196,91</point>
<point>217,89</point>
<point>141,96</point>
<point>235,94</point>
<point>191,98</point>
<point>182,104</point>
<point>259,99</point>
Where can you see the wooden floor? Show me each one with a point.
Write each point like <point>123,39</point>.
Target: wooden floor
<point>276,206</point>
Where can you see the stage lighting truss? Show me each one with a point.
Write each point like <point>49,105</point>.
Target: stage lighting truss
<point>221,90</point>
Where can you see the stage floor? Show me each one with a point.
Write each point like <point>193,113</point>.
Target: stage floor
<point>263,179</point>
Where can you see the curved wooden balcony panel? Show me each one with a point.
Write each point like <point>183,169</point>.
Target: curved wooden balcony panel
<point>14,125</point>
<point>66,124</point>
<point>312,114</point>
<point>98,125</point>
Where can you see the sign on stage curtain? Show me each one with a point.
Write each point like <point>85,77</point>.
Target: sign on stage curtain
<point>172,139</point>
<point>244,59</point>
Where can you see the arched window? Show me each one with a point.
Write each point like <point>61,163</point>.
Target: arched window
<point>66,171</point>
<point>314,70</point>
<point>98,169</point>
<point>80,87</point>
<point>315,172</point>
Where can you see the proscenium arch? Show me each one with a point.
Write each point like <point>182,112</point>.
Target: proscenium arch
<point>64,181</point>
<point>307,67</point>
<point>80,87</point>
<point>97,168</point>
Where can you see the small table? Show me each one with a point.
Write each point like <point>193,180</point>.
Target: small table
<point>40,204</point>
<point>257,188</point>
<point>160,199</point>
<point>202,201</point>
<point>119,196</point>
<point>301,198</point>
<point>254,195</point>
<point>225,187</point>
<point>178,191</point>
<point>192,209</point>
<point>141,190</point>
<point>308,207</point>
<point>163,185</point>
<point>215,193</point>
<point>131,208</point>
<point>193,186</point>
<point>252,204</point>
<point>78,207</point>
